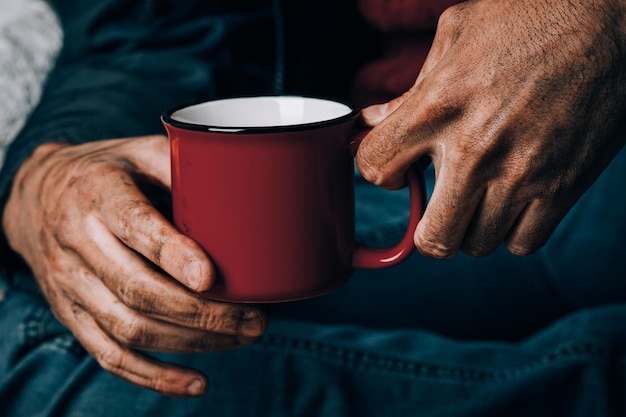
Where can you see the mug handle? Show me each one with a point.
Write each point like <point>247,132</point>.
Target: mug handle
<point>368,257</point>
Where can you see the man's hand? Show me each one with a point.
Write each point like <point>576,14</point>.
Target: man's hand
<point>520,106</point>
<point>114,270</point>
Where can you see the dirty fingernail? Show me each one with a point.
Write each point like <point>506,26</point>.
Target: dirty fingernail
<point>193,277</point>
<point>252,323</point>
<point>196,387</point>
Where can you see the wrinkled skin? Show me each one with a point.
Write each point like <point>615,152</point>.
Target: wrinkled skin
<point>74,214</point>
<point>520,105</point>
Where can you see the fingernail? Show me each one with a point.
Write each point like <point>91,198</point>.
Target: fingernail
<point>192,276</point>
<point>252,323</point>
<point>374,114</point>
<point>196,388</point>
<point>250,315</point>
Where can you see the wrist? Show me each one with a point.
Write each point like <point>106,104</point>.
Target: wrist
<point>26,185</point>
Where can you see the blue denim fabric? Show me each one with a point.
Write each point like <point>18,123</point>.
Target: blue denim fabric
<point>575,367</point>
<point>499,336</point>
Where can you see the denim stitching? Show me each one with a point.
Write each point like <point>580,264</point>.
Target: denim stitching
<point>32,330</point>
<point>64,344</point>
<point>369,361</point>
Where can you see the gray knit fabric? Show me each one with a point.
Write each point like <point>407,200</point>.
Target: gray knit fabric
<point>30,38</point>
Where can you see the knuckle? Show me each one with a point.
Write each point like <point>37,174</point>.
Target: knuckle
<point>128,289</point>
<point>133,294</point>
<point>375,167</point>
<point>558,185</point>
<point>432,246</point>
<point>521,248</point>
<point>160,384</point>
<point>222,319</point>
<point>64,232</point>
<point>371,172</point>
<point>442,101</point>
<point>478,249</point>
<point>156,249</point>
<point>130,212</point>
<point>515,177</point>
<point>86,174</point>
<point>111,359</point>
<point>130,332</point>
<point>451,20</point>
<point>482,238</point>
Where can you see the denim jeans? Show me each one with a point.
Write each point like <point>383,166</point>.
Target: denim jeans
<point>543,335</point>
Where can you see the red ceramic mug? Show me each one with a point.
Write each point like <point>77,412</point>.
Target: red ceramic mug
<point>265,186</point>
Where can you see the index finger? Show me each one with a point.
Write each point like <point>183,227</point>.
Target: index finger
<point>130,216</point>
<point>448,214</point>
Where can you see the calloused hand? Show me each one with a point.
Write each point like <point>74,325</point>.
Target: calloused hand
<point>113,269</point>
<point>520,105</point>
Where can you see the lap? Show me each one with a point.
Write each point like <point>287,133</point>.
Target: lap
<point>571,368</point>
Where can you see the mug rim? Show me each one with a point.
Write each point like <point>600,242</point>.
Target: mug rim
<point>166,117</point>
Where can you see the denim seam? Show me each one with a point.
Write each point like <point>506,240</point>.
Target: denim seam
<point>64,344</point>
<point>388,363</point>
<point>33,332</point>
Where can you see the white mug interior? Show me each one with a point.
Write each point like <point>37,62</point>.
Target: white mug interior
<point>261,112</point>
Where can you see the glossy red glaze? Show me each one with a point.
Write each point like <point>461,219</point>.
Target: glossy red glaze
<point>274,209</point>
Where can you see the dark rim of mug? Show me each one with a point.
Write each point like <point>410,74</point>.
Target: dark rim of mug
<point>166,117</point>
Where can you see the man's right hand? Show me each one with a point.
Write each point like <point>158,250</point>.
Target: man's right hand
<point>114,270</point>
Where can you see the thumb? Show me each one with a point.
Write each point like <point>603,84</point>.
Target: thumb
<point>376,113</point>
